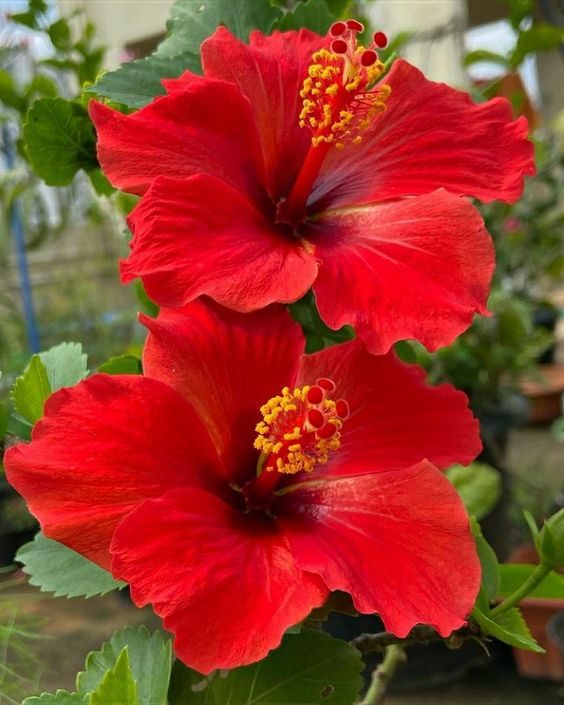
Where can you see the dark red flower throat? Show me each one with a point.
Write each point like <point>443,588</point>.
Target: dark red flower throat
<point>339,103</point>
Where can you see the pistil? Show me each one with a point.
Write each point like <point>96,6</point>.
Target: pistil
<point>339,103</point>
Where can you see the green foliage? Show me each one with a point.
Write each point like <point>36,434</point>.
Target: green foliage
<point>313,14</point>
<point>132,668</point>
<point>489,359</point>
<point>19,665</point>
<point>489,588</point>
<point>32,16</point>
<point>474,57</point>
<point>509,627</point>
<point>191,21</point>
<point>60,34</point>
<point>117,685</point>
<point>147,306</point>
<point>318,334</point>
<point>479,486</point>
<point>9,95</point>
<point>136,83</point>
<point>60,697</point>
<point>404,350</point>
<point>31,391</point>
<point>550,541</point>
<point>149,661</point>
<point>66,365</point>
<point>62,366</point>
<point>518,10</point>
<point>309,667</point>
<point>513,575</point>
<point>60,570</point>
<point>122,365</point>
<point>59,140</point>
<point>536,38</point>
<point>540,37</point>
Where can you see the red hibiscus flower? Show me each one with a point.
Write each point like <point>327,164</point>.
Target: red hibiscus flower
<point>239,481</point>
<point>294,162</point>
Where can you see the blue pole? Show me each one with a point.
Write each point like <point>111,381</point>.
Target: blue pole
<point>16,226</point>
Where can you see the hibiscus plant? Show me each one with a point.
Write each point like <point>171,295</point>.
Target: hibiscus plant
<point>303,205</point>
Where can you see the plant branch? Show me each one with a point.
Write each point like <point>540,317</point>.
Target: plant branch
<point>374,643</point>
<point>393,658</point>
<point>536,577</point>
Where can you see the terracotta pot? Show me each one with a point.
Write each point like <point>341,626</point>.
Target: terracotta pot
<point>545,393</point>
<point>544,620</point>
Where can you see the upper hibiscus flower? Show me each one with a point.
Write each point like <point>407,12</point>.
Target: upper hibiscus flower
<point>288,165</point>
<point>239,481</point>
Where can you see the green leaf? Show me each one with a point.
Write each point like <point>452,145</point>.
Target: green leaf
<point>309,667</point>
<point>518,10</point>
<point>31,390</point>
<point>65,364</point>
<point>341,8</point>
<point>533,528</point>
<point>149,659</point>
<point>509,627</point>
<point>147,306</point>
<point>58,569</point>
<point>318,334</point>
<point>59,140</point>
<point>513,575</point>
<point>541,37</point>
<point>479,486</point>
<point>117,686</point>
<point>488,562</point>
<point>61,697</point>
<point>61,366</point>
<point>60,34</point>
<point>122,365</point>
<point>136,83</point>
<point>405,352</point>
<point>474,57</point>
<point>8,92</point>
<point>40,85</point>
<point>100,183</point>
<point>32,17</point>
<point>4,417</point>
<point>313,14</point>
<point>550,542</point>
<point>192,21</point>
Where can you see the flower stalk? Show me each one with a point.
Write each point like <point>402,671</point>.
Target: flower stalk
<point>536,577</point>
<point>394,657</point>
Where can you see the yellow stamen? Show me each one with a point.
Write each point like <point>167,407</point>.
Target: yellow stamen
<point>286,437</point>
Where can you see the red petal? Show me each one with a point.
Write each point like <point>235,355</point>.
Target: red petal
<point>399,542</point>
<point>396,419</point>
<point>270,72</point>
<point>227,365</point>
<point>416,268</point>
<point>201,236</point>
<point>430,136</point>
<point>103,447</point>
<point>206,128</point>
<point>226,583</point>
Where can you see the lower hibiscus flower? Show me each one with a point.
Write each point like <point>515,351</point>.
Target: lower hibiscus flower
<point>239,481</point>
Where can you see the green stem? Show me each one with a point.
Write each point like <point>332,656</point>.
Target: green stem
<point>536,577</point>
<point>394,656</point>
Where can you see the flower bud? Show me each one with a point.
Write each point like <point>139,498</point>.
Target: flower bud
<point>550,541</point>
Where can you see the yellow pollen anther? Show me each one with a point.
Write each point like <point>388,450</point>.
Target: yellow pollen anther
<point>341,96</point>
<point>299,430</point>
